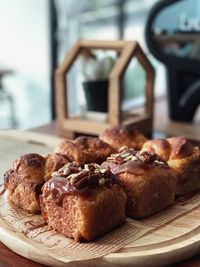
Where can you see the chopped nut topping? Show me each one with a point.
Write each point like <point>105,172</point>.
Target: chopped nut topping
<point>134,158</point>
<point>71,176</point>
<point>101,181</point>
<point>86,167</point>
<point>66,171</point>
<point>128,154</point>
<point>159,162</point>
<point>123,148</point>
<point>125,155</point>
<point>87,175</point>
<point>103,170</point>
<point>129,157</point>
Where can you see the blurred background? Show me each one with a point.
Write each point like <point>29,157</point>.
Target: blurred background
<point>35,36</point>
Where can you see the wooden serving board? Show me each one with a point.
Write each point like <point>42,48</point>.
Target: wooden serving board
<point>172,243</point>
<point>16,143</point>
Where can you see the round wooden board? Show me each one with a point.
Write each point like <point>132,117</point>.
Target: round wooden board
<point>174,242</point>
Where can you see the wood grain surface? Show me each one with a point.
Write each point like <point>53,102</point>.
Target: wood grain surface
<point>171,243</point>
<point>8,258</point>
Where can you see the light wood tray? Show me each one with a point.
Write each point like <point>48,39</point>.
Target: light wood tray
<point>174,242</point>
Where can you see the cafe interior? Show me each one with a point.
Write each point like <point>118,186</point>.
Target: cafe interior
<point>75,68</point>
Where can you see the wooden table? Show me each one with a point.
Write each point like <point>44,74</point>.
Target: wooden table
<point>162,126</point>
<point>10,259</point>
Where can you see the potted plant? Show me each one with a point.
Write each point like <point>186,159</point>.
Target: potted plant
<point>95,70</point>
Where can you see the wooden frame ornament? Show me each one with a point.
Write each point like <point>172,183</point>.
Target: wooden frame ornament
<point>68,127</point>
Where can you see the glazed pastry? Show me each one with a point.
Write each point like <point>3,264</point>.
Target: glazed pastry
<point>147,180</point>
<point>24,181</point>
<point>85,150</point>
<point>53,163</point>
<point>160,147</point>
<point>83,202</point>
<point>183,157</point>
<point>123,135</point>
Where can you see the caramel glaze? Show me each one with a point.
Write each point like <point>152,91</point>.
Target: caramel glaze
<point>38,189</point>
<point>133,161</point>
<point>134,167</point>
<point>79,179</point>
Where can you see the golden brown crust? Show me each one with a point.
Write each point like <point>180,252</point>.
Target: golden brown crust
<point>183,158</point>
<point>54,162</point>
<point>70,150</point>
<point>180,147</point>
<point>171,148</point>
<point>31,167</point>
<point>158,146</point>
<point>148,193</point>
<point>187,171</point>
<point>85,149</point>
<point>148,181</point>
<point>24,181</point>
<point>123,135</point>
<point>26,196</point>
<point>85,218</point>
<point>22,192</point>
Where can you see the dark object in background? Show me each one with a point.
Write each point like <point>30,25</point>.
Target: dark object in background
<point>53,28</point>
<point>7,105</point>
<point>174,39</point>
<point>96,93</point>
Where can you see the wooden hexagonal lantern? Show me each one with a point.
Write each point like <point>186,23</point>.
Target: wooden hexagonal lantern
<point>69,126</point>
